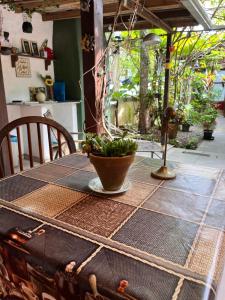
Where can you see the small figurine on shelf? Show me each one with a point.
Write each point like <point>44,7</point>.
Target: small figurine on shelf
<point>48,81</point>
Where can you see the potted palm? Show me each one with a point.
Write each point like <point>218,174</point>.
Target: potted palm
<point>208,121</point>
<point>111,158</point>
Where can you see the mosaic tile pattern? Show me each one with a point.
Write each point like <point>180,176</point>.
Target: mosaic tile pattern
<point>179,204</point>
<point>49,201</point>
<point>98,215</point>
<point>190,183</point>
<point>158,234</point>
<point>110,267</point>
<point>18,186</point>
<point>136,195</point>
<point>203,261</point>
<point>10,219</point>
<point>74,160</point>
<point>49,172</point>
<point>191,290</point>
<point>166,226</point>
<point>78,180</point>
<point>70,248</point>
<point>216,214</point>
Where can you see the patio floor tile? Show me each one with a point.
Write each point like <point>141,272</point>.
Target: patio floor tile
<point>10,219</point>
<point>210,246</point>
<point>145,282</point>
<point>49,201</point>
<point>157,234</point>
<point>98,215</point>
<point>49,172</point>
<point>193,184</point>
<point>179,204</point>
<point>75,161</point>
<point>18,186</point>
<point>215,216</point>
<point>78,180</point>
<point>136,194</point>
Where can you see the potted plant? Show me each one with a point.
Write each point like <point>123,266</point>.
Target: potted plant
<point>208,121</point>
<point>111,158</point>
<point>190,117</point>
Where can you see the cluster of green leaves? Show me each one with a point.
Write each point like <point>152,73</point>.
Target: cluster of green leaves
<point>208,117</point>
<point>104,146</point>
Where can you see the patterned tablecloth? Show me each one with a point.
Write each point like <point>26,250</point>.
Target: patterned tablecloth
<point>165,240</point>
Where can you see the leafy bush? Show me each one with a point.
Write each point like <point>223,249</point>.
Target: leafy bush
<point>104,146</point>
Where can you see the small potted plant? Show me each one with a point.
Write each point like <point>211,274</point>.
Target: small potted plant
<point>208,121</point>
<point>190,117</point>
<point>111,158</point>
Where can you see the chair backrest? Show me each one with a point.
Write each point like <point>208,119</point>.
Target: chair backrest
<point>6,139</point>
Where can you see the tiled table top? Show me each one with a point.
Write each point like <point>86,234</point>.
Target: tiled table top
<point>164,238</point>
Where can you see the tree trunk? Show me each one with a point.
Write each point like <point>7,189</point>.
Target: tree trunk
<point>143,124</point>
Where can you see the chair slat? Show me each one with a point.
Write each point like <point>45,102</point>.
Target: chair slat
<point>10,153</point>
<point>40,143</point>
<point>59,143</point>
<point>30,146</point>
<point>50,143</point>
<point>19,148</point>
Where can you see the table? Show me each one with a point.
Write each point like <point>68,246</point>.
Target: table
<point>164,239</point>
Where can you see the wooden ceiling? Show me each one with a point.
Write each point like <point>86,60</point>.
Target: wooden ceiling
<point>164,14</point>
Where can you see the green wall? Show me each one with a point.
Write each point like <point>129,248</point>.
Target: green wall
<point>68,63</point>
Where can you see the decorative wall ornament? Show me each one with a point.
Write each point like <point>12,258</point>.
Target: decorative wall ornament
<point>88,42</point>
<point>23,67</point>
<point>85,5</point>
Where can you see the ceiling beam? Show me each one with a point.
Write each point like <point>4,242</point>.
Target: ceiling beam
<point>61,15</point>
<point>146,14</point>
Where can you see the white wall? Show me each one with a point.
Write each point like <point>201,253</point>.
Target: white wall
<point>18,88</point>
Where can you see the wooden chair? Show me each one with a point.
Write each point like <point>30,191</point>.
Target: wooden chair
<point>5,140</point>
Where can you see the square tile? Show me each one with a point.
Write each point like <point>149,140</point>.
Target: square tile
<point>143,174</point>
<point>56,248</point>
<point>78,180</point>
<point>98,215</point>
<point>144,282</point>
<point>193,184</point>
<point>179,204</point>
<point>49,172</point>
<point>193,291</point>
<point>207,172</point>
<point>136,194</point>
<point>216,214</point>
<point>17,186</point>
<point>75,160</point>
<point>10,219</point>
<point>49,201</point>
<point>220,190</point>
<point>158,234</point>
<point>209,253</point>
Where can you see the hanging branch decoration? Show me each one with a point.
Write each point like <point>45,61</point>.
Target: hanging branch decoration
<point>88,42</point>
<point>85,5</point>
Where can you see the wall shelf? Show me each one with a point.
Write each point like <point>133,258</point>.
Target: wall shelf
<point>14,58</point>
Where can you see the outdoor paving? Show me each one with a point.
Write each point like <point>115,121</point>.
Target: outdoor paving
<point>209,153</point>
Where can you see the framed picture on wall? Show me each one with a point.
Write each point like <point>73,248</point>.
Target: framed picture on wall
<point>23,67</point>
<point>34,48</point>
<point>25,46</point>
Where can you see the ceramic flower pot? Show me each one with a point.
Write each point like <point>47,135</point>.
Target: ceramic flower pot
<point>112,171</point>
